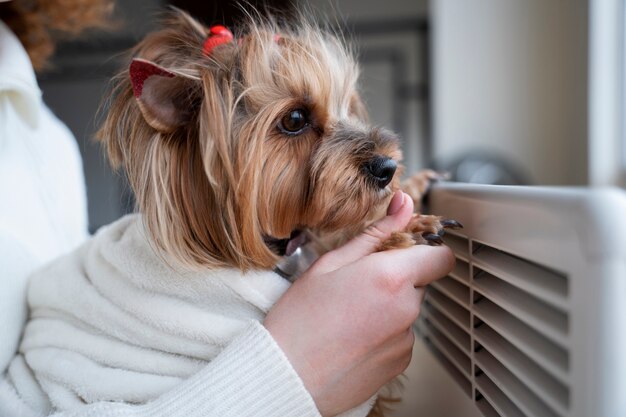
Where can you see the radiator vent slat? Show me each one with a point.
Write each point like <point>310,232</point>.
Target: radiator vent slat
<point>456,356</point>
<point>449,308</point>
<point>456,334</point>
<point>460,379</point>
<point>548,355</point>
<point>453,289</point>
<point>523,398</point>
<point>496,398</point>
<point>542,283</point>
<point>536,379</point>
<point>486,408</point>
<point>550,322</point>
<point>461,271</point>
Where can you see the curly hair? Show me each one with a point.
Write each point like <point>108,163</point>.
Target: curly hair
<point>39,24</point>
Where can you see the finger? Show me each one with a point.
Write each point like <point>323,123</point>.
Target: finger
<point>396,203</point>
<point>419,264</point>
<point>399,212</point>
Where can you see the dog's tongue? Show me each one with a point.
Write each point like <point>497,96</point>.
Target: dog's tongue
<point>296,240</point>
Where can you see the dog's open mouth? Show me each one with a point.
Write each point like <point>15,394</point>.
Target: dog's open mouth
<point>287,247</point>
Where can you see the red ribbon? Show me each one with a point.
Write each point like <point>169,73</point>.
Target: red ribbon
<point>218,35</point>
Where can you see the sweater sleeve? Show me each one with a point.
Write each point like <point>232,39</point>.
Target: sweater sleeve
<point>250,377</point>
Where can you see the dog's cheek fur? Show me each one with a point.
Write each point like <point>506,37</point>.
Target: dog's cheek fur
<point>284,180</point>
<point>340,193</point>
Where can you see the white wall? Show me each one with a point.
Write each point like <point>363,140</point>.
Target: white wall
<point>510,77</point>
<point>607,93</point>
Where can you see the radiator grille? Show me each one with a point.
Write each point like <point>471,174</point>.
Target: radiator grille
<point>500,325</point>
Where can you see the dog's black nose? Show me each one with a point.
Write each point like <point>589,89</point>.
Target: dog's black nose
<point>381,170</point>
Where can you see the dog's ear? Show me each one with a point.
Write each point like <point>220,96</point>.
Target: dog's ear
<point>164,97</point>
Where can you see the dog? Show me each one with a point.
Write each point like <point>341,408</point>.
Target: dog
<point>276,130</point>
<point>238,149</point>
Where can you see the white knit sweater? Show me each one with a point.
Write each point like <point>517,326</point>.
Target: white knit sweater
<point>114,322</point>
<point>43,204</point>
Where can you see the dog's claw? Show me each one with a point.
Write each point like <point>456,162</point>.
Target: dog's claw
<point>433,239</point>
<point>451,224</point>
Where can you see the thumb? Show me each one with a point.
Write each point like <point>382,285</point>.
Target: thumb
<point>399,213</point>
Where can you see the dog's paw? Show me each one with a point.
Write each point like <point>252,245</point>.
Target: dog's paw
<point>428,230</point>
<point>418,185</point>
<point>397,240</point>
<point>421,230</point>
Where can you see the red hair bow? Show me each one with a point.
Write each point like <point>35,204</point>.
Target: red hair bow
<point>218,35</point>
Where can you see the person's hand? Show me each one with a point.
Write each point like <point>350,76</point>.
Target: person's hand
<point>345,325</point>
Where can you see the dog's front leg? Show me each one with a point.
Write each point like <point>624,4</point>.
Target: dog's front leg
<point>422,230</point>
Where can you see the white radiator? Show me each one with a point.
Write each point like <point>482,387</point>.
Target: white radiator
<point>532,322</point>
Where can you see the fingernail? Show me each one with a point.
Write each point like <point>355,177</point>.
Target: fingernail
<point>396,203</point>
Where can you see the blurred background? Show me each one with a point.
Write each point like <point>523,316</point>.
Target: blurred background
<point>493,91</point>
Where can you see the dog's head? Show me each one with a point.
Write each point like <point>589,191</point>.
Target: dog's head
<point>232,151</point>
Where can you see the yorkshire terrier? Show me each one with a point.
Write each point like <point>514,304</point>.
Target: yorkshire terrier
<point>237,149</point>
<point>266,128</point>
<point>275,133</point>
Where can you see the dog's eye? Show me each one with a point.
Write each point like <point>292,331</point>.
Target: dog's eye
<point>294,122</point>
